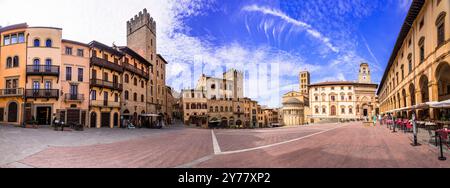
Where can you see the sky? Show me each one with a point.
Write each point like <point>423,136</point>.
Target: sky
<point>269,41</point>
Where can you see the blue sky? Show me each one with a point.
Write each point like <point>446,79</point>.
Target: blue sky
<point>269,40</point>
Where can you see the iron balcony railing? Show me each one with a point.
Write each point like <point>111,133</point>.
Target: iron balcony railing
<point>42,93</point>
<point>106,84</point>
<point>102,103</point>
<point>50,70</point>
<point>11,92</point>
<point>106,64</point>
<point>73,97</point>
<point>136,70</point>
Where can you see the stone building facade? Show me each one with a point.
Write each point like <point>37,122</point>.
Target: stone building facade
<point>418,70</point>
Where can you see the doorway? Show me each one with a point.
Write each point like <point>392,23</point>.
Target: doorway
<point>43,115</point>
<point>365,112</point>
<point>12,112</point>
<point>105,120</point>
<point>93,120</point>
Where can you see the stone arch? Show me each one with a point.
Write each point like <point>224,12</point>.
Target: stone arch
<point>412,94</point>
<point>442,77</point>
<point>424,93</point>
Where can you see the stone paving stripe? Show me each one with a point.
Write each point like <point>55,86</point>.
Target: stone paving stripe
<point>195,162</point>
<point>279,143</point>
<point>215,143</point>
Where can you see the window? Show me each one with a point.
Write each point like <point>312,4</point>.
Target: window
<point>440,29</point>
<point>48,43</point>
<point>422,49</point>
<point>127,78</point>
<point>6,40</point>
<point>342,98</point>
<point>80,74</point>
<point>21,38</point>
<point>105,56</point>
<point>350,110</point>
<point>8,62</point>
<point>15,61</point>
<point>68,51</point>
<point>332,88</point>
<point>14,39</point>
<point>116,97</point>
<point>342,110</point>
<point>36,85</point>
<point>126,95</point>
<point>93,95</point>
<point>324,110</point>
<point>422,22</point>
<point>317,110</point>
<point>80,52</point>
<point>316,98</point>
<point>142,98</point>
<point>135,97</point>
<point>142,84</point>
<point>409,63</point>
<point>94,53</point>
<point>37,43</point>
<point>135,82</point>
<point>68,73</point>
<point>333,98</point>
<point>48,84</point>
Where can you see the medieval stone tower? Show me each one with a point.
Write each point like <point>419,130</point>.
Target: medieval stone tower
<point>238,82</point>
<point>305,81</point>
<point>364,74</point>
<point>141,37</point>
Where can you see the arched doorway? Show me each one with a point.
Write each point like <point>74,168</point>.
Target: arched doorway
<point>93,120</point>
<point>333,111</point>
<point>365,109</point>
<point>116,119</point>
<point>12,112</point>
<point>424,89</point>
<point>238,123</point>
<point>224,122</point>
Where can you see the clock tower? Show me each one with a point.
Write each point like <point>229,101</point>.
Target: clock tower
<point>364,73</point>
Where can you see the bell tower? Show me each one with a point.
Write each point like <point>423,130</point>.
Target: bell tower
<point>364,73</point>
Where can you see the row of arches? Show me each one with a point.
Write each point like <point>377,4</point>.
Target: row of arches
<point>413,94</point>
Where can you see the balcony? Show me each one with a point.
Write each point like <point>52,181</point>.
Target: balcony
<point>106,64</point>
<point>137,71</point>
<point>106,104</point>
<point>15,92</point>
<point>68,97</point>
<point>106,84</point>
<point>42,93</point>
<point>43,70</point>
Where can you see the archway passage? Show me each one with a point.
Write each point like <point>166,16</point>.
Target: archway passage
<point>412,94</point>
<point>224,122</point>
<point>93,120</point>
<point>443,80</point>
<point>424,89</point>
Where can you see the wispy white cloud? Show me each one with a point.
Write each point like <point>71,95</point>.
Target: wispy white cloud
<point>309,29</point>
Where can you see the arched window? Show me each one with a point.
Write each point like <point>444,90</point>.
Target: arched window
<point>127,78</point>
<point>205,106</point>
<point>317,109</point>
<point>135,81</point>
<point>142,84</point>
<point>135,96</point>
<point>226,108</point>
<point>422,49</point>
<point>211,109</point>
<point>440,25</point>
<point>193,106</point>
<point>217,109</point>
<point>142,98</point>
<point>9,62</point>
<point>199,106</point>
<point>37,43</point>
<point>48,43</point>
<point>126,95</point>
<point>324,109</point>
<point>350,110</point>
<point>221,109</point>
<point>48,64</point>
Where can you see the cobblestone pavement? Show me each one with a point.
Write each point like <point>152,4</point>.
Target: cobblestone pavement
<point>327,145</point>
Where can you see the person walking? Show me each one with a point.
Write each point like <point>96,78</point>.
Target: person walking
<point>374,117</point>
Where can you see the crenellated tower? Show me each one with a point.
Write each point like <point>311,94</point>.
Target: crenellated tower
<point>141,38</point>
<point>141,35</point>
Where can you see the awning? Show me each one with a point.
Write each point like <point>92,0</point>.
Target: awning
<point>442,104</point>
<point>149,115</point>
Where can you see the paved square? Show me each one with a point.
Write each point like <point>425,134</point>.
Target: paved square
<point>327,145</point>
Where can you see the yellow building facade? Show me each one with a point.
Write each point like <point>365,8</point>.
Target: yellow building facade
<point>418,70</point>
<point>105,86</point>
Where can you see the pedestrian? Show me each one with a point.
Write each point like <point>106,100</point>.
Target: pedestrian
<point>374,117</point>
